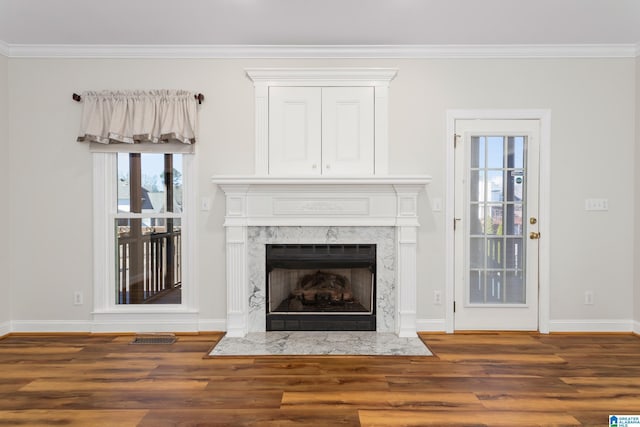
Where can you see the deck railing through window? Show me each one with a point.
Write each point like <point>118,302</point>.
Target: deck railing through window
<point>159,255</point>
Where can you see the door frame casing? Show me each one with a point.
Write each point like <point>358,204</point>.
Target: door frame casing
<point>544,116</point>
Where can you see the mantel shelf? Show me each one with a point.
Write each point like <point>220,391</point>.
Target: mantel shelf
<point>369,180</point>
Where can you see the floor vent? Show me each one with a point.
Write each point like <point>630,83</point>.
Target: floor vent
<point>154,339</point>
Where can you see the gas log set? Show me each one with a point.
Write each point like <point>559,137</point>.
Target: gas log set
<point>321,288</point>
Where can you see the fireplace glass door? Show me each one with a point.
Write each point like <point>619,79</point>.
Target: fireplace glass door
<point>321,287</point>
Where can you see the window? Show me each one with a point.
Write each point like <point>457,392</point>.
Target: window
<point>143,240</point>
<point>148,228</point>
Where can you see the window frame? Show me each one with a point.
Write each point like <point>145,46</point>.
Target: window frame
<point>104,250</point>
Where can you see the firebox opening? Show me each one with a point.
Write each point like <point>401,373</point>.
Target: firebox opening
<point>321,287</point>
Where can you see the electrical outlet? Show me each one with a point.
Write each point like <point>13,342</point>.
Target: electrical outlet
<point>77,298</point>
<point>588,298</point>
<point>437,297</point>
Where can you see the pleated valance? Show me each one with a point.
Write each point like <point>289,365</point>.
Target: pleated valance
<point>139,121</point>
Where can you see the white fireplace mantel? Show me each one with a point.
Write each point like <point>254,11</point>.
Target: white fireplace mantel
<point>374,201</point>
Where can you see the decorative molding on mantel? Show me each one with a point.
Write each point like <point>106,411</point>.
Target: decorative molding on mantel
<point>313,201</point>
<point>484,51</point>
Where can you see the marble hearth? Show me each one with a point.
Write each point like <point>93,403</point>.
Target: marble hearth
<point>269,210</point>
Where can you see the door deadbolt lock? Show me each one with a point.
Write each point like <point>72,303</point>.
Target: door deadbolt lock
<point>533,220</point>
<point>534,235</point>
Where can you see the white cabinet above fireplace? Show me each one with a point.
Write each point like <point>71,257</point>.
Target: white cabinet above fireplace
<point>321,121</point>
<point>321,131</point>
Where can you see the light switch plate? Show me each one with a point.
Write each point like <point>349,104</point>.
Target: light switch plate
<point>596,205</point>
<point>205,203</point>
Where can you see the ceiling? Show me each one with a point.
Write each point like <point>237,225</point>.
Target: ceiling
<point>319,22</point>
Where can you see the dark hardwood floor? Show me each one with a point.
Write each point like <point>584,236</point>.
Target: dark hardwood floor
<point>507,379</point>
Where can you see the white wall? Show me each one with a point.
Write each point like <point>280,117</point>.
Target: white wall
<point>5,177</point>
<point>592,153</point>
<point>636,257</point>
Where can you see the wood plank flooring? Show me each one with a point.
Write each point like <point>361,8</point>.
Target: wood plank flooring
<point>502,379</point>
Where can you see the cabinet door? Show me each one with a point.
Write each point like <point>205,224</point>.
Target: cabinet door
<point>294,131</point>
<point>347,131</point>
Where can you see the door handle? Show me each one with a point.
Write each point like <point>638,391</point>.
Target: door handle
<point>534,235</point>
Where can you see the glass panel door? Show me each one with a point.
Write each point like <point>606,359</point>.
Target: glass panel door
<point>496,210</point>
<point>496,207</point>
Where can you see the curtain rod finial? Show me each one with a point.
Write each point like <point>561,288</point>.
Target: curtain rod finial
<point>76,97</point>
<point>200,98</point>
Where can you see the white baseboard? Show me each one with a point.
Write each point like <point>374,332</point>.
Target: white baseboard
<point>592,325</point>
<point>118,323</point>
<point>128,324</point>
<point>5,328</point>
<point>50,326</point>
<point>144,322</point>
<point>430,325</point>
<point>212,325</point>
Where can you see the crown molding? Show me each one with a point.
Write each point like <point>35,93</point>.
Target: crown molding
<point>319,51</point>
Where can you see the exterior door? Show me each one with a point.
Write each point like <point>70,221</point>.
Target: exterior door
<point>496,224</point>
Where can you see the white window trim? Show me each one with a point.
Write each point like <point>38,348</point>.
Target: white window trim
<point>111,317</point>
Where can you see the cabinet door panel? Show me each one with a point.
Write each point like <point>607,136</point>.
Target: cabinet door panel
<point>347,131</point>
<point>294,130</point>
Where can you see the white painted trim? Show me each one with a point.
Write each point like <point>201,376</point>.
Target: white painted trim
<point>591,325</point>
<point>212,325</point>
<point>381,129</point>
<point>544,204</point>
<point>187,322</point>
<point>119,322</point>
<point>449,215</point>
<point>104,195</point>
<point>621,50</point>
<point>50,326</point>
<point>321,181</point>
<point>5,328</point>
<point>4,49</point>
<point>431,325</point>
<point>160,321</point>
<point>324,76</point>
<point>190,289</point>
<point>103,191</point>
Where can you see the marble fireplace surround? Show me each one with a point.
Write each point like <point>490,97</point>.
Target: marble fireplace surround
<point>378,209</point>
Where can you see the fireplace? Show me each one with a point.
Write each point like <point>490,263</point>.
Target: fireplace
<point>321,287</point>
<point>265,210</point>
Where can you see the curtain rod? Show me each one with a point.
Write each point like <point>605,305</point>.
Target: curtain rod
<point>199,97</point>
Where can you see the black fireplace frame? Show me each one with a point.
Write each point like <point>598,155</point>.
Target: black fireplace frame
<point>321,256</point>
